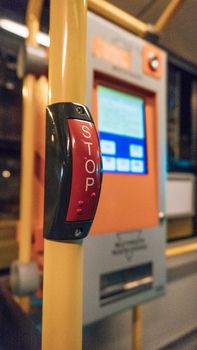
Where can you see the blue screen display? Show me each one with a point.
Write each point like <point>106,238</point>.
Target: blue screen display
<point>121,124</point>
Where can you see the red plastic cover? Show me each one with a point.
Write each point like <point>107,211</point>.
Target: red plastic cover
<point>86,163</point>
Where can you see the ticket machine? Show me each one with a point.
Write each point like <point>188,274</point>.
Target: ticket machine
<point>126,92</point>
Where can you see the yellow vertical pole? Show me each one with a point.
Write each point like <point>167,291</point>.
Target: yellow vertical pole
<point>137,328</point>
<point>63,261</point>
<point>25,221</point>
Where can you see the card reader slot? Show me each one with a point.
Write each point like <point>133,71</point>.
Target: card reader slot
<point>120,284</point>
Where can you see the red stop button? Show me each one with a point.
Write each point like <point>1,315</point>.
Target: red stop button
<point>86,168</point>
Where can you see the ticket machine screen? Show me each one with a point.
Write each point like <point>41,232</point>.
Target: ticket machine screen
<point>121,124</point>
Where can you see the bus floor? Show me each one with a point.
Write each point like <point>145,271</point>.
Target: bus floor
<point>187,342</point>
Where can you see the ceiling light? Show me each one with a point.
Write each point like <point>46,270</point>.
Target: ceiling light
<point>6,174</point>
<point>22,31</point>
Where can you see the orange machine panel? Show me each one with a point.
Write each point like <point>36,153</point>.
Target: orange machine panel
<point>113,54</point>
<point>129,201</point>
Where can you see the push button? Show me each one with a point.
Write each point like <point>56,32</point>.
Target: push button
<point>152,58</point>
<point>153,62</point>
<point>85,187</point>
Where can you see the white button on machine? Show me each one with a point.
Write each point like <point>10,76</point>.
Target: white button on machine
<point>109,163</point>
<point>108,147</point>
<point>137,166</point>
<point>136,151</point>
<point>123,164</point>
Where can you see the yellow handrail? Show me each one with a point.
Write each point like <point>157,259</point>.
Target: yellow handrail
<point>63,261</point>
<point>166,16</point>
<point>181,250</point>
<point>137,328</point>
<point>32,20</point>
<point>131,23</point>
<point>118,16</point>
<point>26,192</point>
